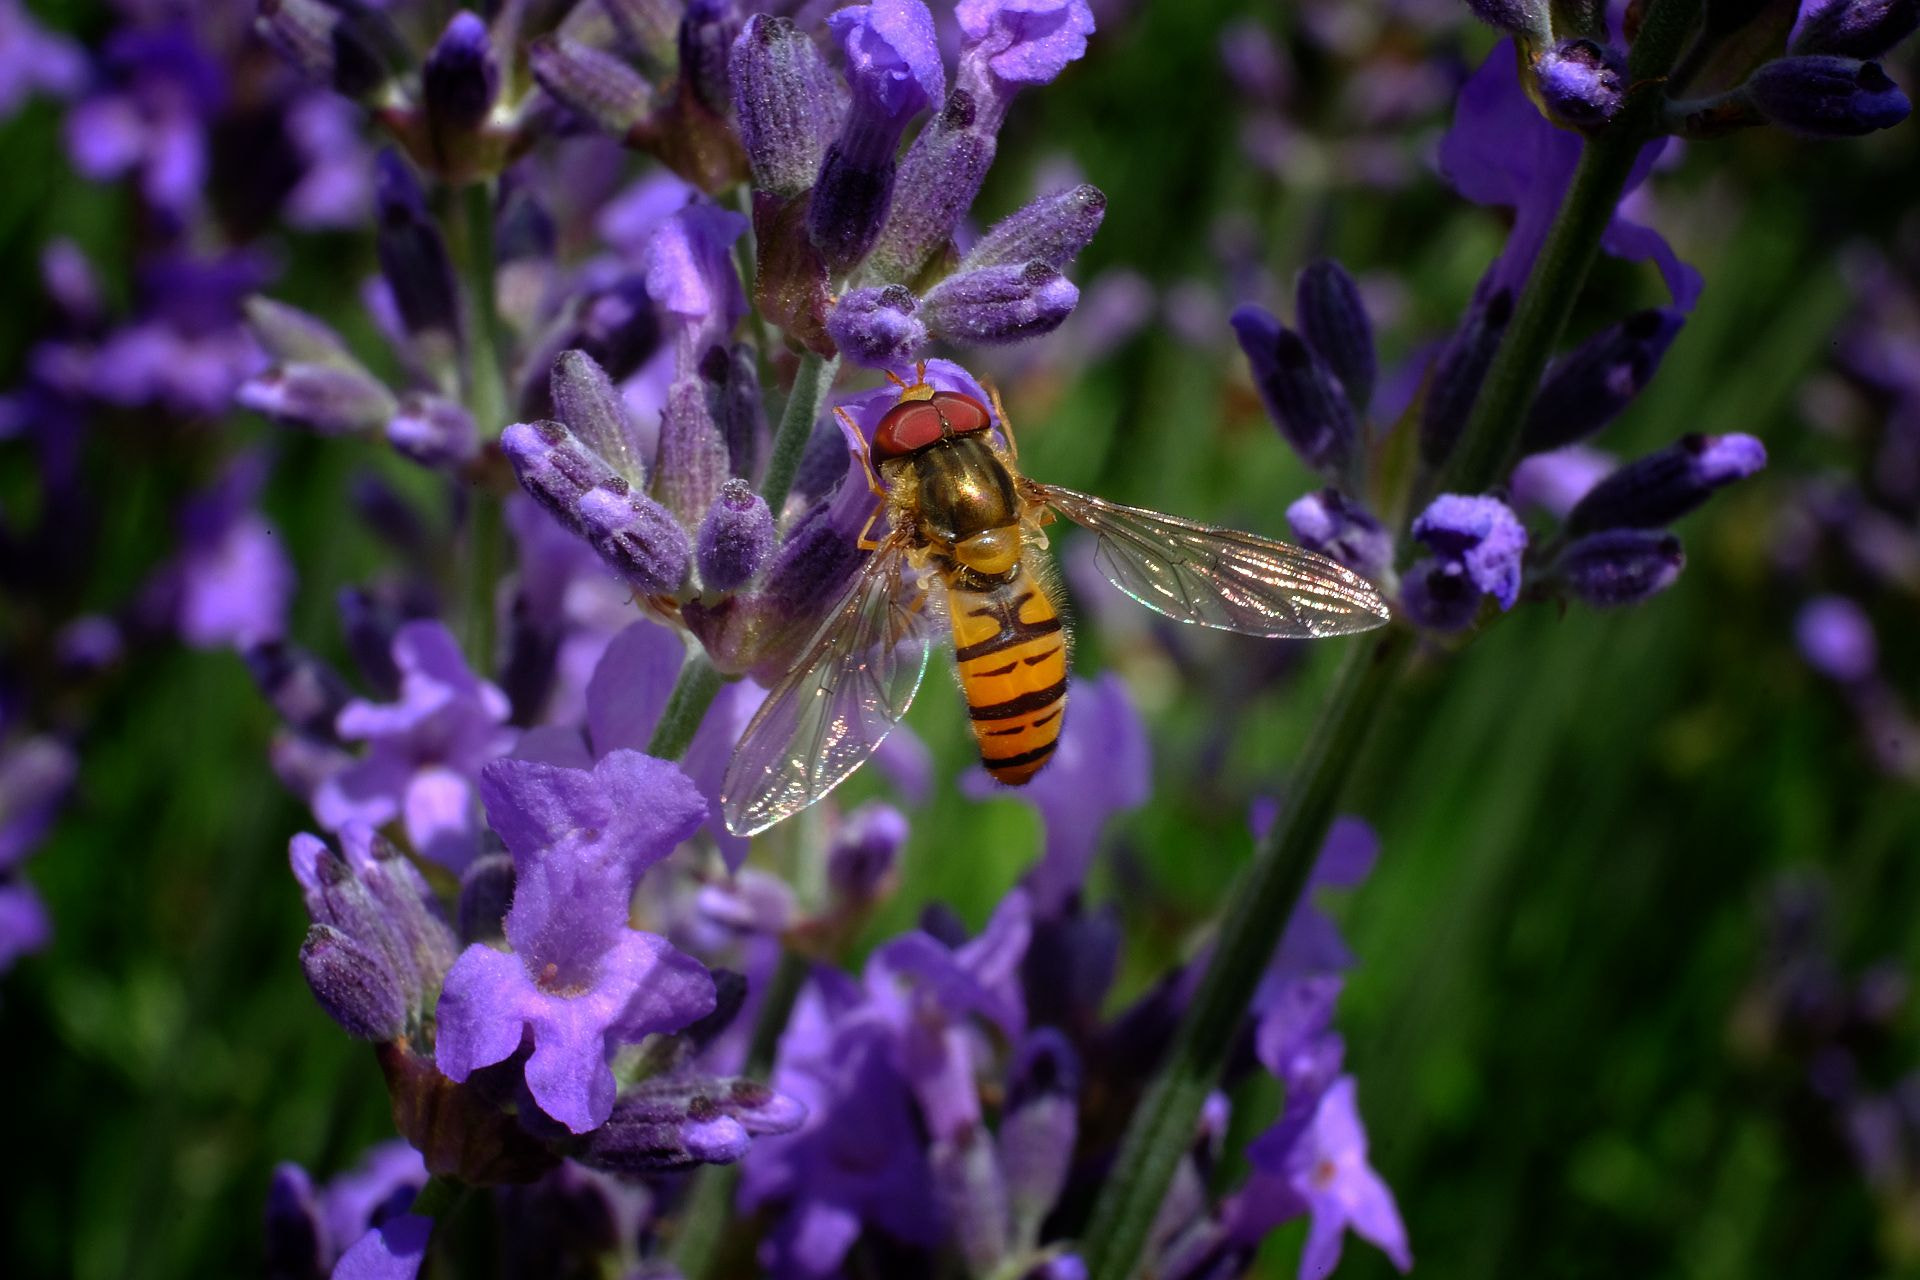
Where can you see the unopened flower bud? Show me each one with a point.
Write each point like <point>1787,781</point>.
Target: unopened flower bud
<point>693,458</point>
<point>1621,566</point>
<point>997,305</point>
<point>707,33</point>
<point>864,852</point>
<point>353,48</point>
<point>323,398</point>
<point>1827,97</point>
<point>1582,82</point>
<point>591,82</point>
<point>969,1187</point>
<point>635,535</point>
<point>1855,28</point>
<point>877,327</point>
<point>295,1237</point>
<point>1334,322</point>
<point>1457,375</point>
<point>1300,392</point>
<point>679,1122</point>
<point>1590,385</point>
<point>413,255</point>
<point>585,399</point>
<point>939,177</point>
<point>788,101</point>
<point>1654,491</point>
<point>291,336</point>
<point>733,380</point>
<point>433,431</point>
<point>649,28</point>
<point>461,76</point>
<point>1038,1132</point>
<point>307,694</point>
<point>1053,229</point>
<point>736,538</point>
<point>354,986</point>
<point>1530,18</point>
<point>1342,529</point>
<point>486,891</point>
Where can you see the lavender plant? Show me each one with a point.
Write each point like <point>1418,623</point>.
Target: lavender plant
<point>611,236</point>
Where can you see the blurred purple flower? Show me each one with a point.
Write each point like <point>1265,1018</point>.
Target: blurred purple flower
<point>1836,638</point>
<point>35,775</point>
<point>309,1227</point>
<point>394,1250</point>
<point>24,924</point>
<point>579,981</point>
<point>424,751</point>
<point>1554,481</point>
<point>232,580</point>
<point>1102,768</point>
<point>161,88</point>
<point>690,273</point>
<point>1502,152</point>
<point>35,60</point>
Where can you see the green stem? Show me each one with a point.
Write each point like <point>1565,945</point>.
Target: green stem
<point>810,386</point>
<point>1491,438</point>
<point>1162,1129</point>
<point>487,398</point>
<point>687,706</point>
<point>702,1242</point>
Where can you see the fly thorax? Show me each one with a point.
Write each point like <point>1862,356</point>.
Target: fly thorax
<point>964,492</point>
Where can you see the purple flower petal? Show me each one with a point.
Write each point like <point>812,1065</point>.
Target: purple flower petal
<point>1026,41</point>
<point>394,1250</point>
<point>630,687</point>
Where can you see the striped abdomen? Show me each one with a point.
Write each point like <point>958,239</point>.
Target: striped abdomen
<point>1012,655</point>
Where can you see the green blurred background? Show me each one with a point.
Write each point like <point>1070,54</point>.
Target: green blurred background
<point>1582,816</point>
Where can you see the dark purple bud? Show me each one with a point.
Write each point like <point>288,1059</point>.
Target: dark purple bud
<point>1053,229</point>
<point>973,1195</point>
<point>585,399</point>
<point>591,82</point>
<point>1437,595</point>
<point>1038,1132</point>
<point>877,327</point>
<point>529,660</point>
<point>1836,637</point>
<point>1530,18</point>
<point>323,398</point>
<point>434,431</point>
<point>707,33</point>
<point>1654,491</point>
<point>996,305</point>
<point>352,47</point>
<point>1334,322</point>
<point>1855,28</point>
<point>1827,97</point>
<point>736,538</point>
<point>648,28</point>
<point>486,891</point>
<point>369,623</point>
<point>1457,375</point>
<point>1344,530</point>
<point>863,854</point>
<point>729,997</point>
<point>355,987</point>
<point>635,535</point>
<point>1582,82</point>
<point>676,1123</point>
<point>1300,392</point>
<point>307,693</point>
<point>693,459</point>
<point>295,1237</point>
<point>461,76</point>
<point>425,942</point>
<point>1592,384</point>
<point>1482,536</point>
<point>788,101</point>
<point>291,336</point>
<point>939,178</point>
<point>1621,566</point>
<point>851,196</point>
<point>413,255</point>
<point>737,405</point>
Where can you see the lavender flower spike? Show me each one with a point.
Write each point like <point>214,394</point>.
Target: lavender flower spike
<point>1000,304</point>
<point>788,101</point>
<point>579,981</point>
<point>1827,97</point>
<point>893,64</point>
<point>1656,490</point>
<point>1300,392</point>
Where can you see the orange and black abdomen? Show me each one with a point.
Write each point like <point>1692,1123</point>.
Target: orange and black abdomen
<point>1012,653</point>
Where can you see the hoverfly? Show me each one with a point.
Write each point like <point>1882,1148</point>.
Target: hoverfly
<point>960,515</point>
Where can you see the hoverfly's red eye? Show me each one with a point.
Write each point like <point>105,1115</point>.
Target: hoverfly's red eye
<point>963,413</point>
<point>909,425</point>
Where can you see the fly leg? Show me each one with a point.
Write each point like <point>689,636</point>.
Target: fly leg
<point>1006,424</point>
<point>873,481</point>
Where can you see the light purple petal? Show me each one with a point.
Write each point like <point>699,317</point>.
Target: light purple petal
<point>440,818</point>
<point>394,1250</point>
<point>630,687</point>
<point>1027,41</point>
<point>25,926</point>
<point>478,1018</point>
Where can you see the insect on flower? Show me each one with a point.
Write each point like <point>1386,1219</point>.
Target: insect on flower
<point>963,528</point>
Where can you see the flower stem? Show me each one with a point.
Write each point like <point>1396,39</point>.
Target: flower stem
<point>1490,437</point>
<point>687,706</point>
<point>810,386</point>
<point>487,399</point>
<point>1162,1129</point>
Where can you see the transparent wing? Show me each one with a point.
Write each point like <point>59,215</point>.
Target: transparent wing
<point>1219,577</point>
<point>855,680</point>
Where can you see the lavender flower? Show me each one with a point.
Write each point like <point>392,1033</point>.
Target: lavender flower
<point>34,60</point>
<point>1329,522</point>
<point>1837,639</point>
<point>788,102</point>
<point>1827,97</point>
<point>578,981</point>
<point>1302,394</point>
<point>1620,566</point>
<point>1658,489</point>
<point>1478,544</point>
<point>232,581</point>
<point>424,751</point>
